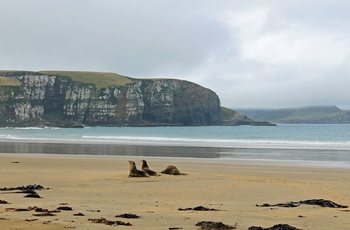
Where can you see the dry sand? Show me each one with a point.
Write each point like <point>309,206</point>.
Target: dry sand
<point>98,186</point>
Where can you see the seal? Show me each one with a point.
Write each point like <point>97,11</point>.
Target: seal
<point>134,172</point>
<point>146,168</point>
<point>171,169</point>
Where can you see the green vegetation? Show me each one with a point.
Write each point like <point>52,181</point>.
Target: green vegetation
<point>12,71</point>
<point>6,81</point>
<point>232,117</point>
<point>100,79</point>
<point>227,113</point>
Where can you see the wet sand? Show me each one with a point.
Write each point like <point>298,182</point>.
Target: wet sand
<point>99,186</point>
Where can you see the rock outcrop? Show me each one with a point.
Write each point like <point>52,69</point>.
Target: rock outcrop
<point>44,98</point>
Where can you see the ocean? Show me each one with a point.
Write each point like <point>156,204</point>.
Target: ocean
<point>324,144</point>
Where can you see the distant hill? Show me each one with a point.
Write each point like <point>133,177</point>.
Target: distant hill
<point>302,115</point>
<point>233,118</point>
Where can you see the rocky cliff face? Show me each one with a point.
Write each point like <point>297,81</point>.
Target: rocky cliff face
<point>48,99</point>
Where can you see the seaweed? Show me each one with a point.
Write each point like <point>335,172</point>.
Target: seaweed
<point>209,225</point>
<point>319,202</point>
<point>198,208</point>
<point>275,227</point>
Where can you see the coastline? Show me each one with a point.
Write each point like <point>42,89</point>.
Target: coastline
<point>88,183</point>
<point>312,157</point>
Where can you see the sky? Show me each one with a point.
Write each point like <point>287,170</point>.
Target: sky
<point>253,54</point>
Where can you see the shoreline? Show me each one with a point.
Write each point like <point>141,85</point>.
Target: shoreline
<point>245,162</point>
<point>317,157</point>
<point>88,183</point>
<point>181,143</point>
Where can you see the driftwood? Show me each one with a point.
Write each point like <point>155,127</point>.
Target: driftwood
<point>209,225</point>
<point>275,227</point>
<point>198,208</point>
<point>109,222</point>
<point>128,215</point>
<point>319,202</point>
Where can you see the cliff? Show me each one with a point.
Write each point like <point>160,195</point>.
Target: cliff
<point>76,99</point>
<point>68,98</point>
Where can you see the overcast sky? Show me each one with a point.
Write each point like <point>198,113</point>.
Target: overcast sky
<point>253,54</point>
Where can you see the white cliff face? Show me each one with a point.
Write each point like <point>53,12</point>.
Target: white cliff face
<point>165,101</point>
<point>27,112</point>
<point>35,86</point>
<point>34,89</point>
<point>134,101</point>
<point>77,100</point>
<point>159,99</point>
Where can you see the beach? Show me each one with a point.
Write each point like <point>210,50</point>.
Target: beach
<point>99,187</point>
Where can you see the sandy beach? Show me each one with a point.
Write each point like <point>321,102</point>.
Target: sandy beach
<point>99,187</point>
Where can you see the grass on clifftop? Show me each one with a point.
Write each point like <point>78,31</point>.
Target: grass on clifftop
<point>227,113</point>
<point>101,80</point>
<point>6,81</point>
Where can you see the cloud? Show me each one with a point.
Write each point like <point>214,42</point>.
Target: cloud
<point>280,62</point>
<point>252,53</point>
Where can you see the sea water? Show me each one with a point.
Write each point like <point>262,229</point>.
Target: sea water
<point>298,142</point>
